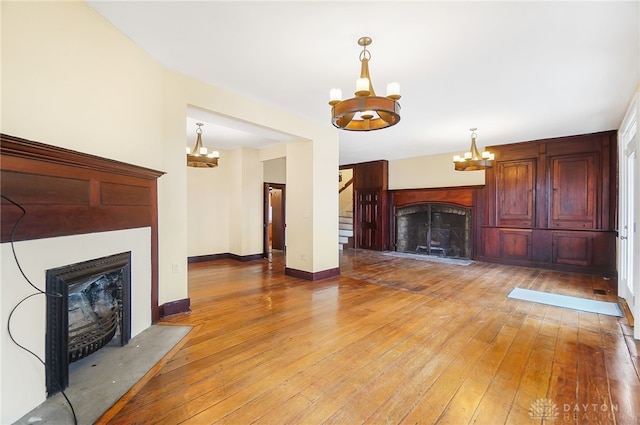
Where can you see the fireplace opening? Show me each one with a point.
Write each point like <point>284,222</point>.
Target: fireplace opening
<point>434,229</point>
<point>91,308</point>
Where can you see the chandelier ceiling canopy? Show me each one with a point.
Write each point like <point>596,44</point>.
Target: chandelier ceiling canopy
<point>199,156</point>
<point>365,111</point>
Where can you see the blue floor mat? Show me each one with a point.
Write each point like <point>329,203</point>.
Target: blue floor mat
<point>575,303</point>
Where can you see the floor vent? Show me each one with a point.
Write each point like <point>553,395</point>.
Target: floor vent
<point>600,291</point>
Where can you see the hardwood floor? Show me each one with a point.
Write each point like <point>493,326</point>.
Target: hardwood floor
<point>390,341</point>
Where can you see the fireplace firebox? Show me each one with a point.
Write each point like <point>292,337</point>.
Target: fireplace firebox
<point>88,306</point>
<point>434,229</point>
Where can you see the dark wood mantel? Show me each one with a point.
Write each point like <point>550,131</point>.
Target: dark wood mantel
<point>66,192</point>
<point>463,196</point>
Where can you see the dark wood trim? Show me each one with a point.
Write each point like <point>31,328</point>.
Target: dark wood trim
<point>175,307</point>
<point>223,256</point>
<point>245,258</point>
<point>312,276</point>
<point>461,195</point>
<point>17,147</point>
<point>66,193</point>
<point>205,258</point>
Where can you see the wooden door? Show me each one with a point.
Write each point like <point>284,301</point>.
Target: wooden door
<point>274,218</point>
<point>573,191</point>
<point>277,218</point>
<point>516,193</point>
<point>368,212</point>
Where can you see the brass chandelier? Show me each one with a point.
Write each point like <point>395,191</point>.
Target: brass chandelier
<point>199,156</point>
<point>473,159</point>
<point>365,111</point>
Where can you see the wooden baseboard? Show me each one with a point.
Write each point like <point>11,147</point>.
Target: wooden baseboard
<point>175,307</point>
<point>312,276</point>
<point>223,256</point>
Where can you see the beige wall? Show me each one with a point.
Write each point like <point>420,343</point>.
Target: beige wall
<point>312,202</point>
<point>63,83</point>
<point>225,205</point>
<point>275,171</point>
<point>207,214</point>
<point>70,79</point>
<point>430,171</point>
<point>345,199</point>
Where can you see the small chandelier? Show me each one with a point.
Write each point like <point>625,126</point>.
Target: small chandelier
<point>473,160</point>
<point>200,157</point>
<point>365,111</point>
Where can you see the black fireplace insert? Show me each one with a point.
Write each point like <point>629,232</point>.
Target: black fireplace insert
<point>89,305</point>
<point>434,229</point>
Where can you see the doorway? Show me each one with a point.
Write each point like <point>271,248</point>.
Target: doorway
<point>274,219</point>
<point>629,238</point>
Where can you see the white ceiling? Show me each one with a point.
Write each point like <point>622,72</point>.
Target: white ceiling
<point>516,70</point>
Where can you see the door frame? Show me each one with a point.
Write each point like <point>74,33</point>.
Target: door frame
<point>629,212</point>
<point>265,216</point>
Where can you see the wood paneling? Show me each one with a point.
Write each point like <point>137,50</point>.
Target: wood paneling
<point>125,194</point>
<point>371,207</point>
<point>572,248</point>
<point>515,244</point>
<point>65,192</point>
<point>516,193</point>
<point>369,220</point>
<point>563,184</point>
<point>371,175</point>
<point>574,194</point>
<point>462,196</point>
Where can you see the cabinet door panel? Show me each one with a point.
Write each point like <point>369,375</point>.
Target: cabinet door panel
<point>516,193</point>
<point>574,191</point>
<point>515,244</point>
<point>572,248</point>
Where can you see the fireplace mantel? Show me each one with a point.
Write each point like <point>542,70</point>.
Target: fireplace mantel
<point>66,193</point>
<point>463,196</point>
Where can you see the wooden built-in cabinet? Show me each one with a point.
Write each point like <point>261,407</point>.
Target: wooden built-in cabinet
<point>552,204</point>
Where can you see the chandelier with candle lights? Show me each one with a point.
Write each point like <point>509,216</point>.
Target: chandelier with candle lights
<point>365,111</point>
<point>473,159</point>
<point>199,156</point>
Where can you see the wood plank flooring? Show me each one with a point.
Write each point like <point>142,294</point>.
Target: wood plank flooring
<point>391,341</point>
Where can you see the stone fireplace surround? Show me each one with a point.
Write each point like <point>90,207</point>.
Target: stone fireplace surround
<point>79,208</point>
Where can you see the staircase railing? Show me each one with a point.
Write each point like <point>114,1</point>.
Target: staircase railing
<point>347,184</point>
